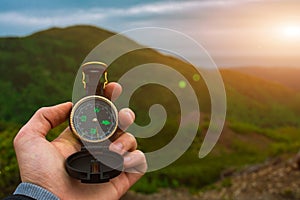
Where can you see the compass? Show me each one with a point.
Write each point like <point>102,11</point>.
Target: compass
<point>94,121</point>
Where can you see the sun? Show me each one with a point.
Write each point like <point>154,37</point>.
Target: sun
<point>291,31</point>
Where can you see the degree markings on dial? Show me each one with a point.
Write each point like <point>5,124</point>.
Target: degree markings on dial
<point>96,109</point>
<point>97,133</point>
<point>94,115</point>
<point>83,118</point>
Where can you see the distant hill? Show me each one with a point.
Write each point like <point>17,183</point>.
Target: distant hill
<point>286,76</point>
<point>262,116</point>
<point>39,70</point>
<point>258,101</point>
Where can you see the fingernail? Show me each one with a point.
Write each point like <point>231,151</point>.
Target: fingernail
<point>127,159</point>
<point>129,113</point>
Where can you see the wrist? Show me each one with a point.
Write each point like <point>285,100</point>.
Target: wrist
<point>35,192</point>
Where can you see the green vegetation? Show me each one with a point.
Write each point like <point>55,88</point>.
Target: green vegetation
<point>39,70</point>
<point>9,174</point>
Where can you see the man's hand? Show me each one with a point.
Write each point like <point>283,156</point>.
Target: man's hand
<point>43,163</point>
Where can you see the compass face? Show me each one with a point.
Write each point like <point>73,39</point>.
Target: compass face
<point>94,119</point>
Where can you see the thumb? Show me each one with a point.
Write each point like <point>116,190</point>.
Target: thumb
<point>43,121</point>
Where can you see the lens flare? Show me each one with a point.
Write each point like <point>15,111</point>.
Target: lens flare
<point>182,84</point>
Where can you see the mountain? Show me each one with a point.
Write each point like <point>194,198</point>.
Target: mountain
<point>39,70</point>
<point>258,101</point>
<point>286,76</point>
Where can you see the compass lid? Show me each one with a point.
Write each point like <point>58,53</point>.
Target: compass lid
<point>86,167</point>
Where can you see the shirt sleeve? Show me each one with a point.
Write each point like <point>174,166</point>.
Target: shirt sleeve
<point>18,197</point>
<point>29,191</point>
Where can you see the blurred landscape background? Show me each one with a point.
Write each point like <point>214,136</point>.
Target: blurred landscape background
<point>262,117</point>
<point>254,43</point>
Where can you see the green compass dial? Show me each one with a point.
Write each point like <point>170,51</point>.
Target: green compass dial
<point>94,119</point>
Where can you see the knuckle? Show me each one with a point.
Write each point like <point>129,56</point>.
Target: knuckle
<point>141,157</point>
<point>130,137</point>
<point>43,111</point>
<point>44,114</point>
<point>131,140</point>
<point>19,137</point>
<point>140,153</point>
<point>16,141</point>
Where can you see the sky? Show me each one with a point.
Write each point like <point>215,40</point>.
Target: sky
<point>234,32</point>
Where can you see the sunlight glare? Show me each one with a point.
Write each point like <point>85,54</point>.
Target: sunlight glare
<point>292,31</point>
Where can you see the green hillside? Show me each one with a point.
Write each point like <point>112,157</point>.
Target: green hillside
<point>39,70</point>
<point>267,104</point>
<point>287,76</point>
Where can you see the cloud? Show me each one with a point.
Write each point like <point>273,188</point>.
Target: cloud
<point>52,19</point>
<point>226,28</point>
<point>64,17</point>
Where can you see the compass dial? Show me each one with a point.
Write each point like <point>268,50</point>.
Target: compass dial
<point>94,119</point>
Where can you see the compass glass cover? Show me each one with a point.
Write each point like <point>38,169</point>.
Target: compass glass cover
<point>94,119</point>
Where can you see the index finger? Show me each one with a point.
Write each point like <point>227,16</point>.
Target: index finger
<point>113,90</point>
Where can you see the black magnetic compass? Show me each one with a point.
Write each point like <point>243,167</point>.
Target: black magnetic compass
<point>94,120</point>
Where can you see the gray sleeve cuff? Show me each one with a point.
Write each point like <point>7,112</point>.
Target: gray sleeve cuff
<point>34,191</point>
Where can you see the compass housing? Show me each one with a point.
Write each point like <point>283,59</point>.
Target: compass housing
<point>94,119</point>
